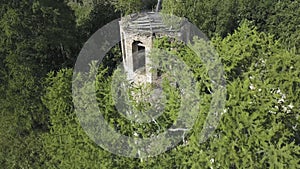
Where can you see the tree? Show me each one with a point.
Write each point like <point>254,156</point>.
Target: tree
<point>210,16</point>
<point>100,15</point>
<point>259,123</point>
<point>283,23</point>
<point>66,137</point>
<point>128,6</point>
<point>35,37</point>
<point>256,124</point>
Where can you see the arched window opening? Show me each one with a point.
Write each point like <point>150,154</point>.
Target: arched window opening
<point>138,56</point>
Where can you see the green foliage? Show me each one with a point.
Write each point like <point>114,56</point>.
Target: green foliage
<point>280,18</point>
<point>87,10</point>
<point>259,127</point>
<point>66,137</point>
<point>284,23</point>
<point>82,10</point>
<point>28,51</point>
<point>128,6</point>
<point>212,17</point>
<point>257,130</point>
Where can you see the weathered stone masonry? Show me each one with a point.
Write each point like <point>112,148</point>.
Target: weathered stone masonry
<point>137,34</point>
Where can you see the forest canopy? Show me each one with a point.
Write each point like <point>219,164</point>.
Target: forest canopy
<point>258,43</point>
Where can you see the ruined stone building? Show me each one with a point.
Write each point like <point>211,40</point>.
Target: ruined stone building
<point>137,34</point>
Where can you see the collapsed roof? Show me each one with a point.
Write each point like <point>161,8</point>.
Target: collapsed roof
<point>152,22</point>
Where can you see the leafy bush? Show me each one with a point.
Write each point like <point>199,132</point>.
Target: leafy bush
<point>258,129</point>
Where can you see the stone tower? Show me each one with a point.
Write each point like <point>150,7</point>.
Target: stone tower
<point>137,34</point>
